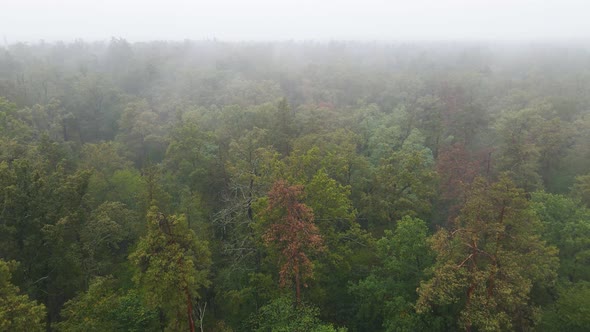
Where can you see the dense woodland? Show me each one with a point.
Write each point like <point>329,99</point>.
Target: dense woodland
<point>294,186</point>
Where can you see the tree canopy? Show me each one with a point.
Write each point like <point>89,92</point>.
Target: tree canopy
<point>294,186</point>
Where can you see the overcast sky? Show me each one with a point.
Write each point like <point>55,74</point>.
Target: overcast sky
<point>392,20</point>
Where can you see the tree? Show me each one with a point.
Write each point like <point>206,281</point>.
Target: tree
<point>171,268</point>
<point>104,307</point>
<point>571,310</point>
<point>385,298</point>
<point>105,238</point>
<point>244,281</point>
<point>280,316</point>
<point>566,225</point>
<point>104,160</point>
<point>283,132</point>
<point>581,189</point>
<point>191,155</point>
<point>43,210</point>
<point>335,151</point>
<point>490,260</point>
<point>293,233</point>
<point>403,184</point>
<point>141,132</point>
<point>95,106</point>
<point>518,154</point>
<point>11,124</point>
<point>17,312</point>
<point>347,246</point>
<point>456,168</point>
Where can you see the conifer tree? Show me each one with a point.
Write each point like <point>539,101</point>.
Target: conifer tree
<point>172,267</point>
<point>293,232</point>
<point>488,263</point>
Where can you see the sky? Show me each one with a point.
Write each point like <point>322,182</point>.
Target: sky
<point>271,20</point>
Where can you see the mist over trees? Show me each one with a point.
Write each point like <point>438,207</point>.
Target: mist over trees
<point>294,186</point>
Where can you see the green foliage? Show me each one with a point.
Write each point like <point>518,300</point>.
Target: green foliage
<point>11,123</point>
<point>534,142</point>
<point>581,189</point>
<point>335,152</point>
<point>386,297</point>
<point>105,236</point>
<point>403,184</point>
<point>43,211</point>
<point>347,245</point>
<point>17,312</point>
<point>329,201</point>
<point>490,260</point>
<point>104,308</point>
<point>190,155</point>
<point>281,315</point>
<point>379,135</point>
<point>566,225</point>
<point>571,311</point>
<point>519,154</point>
<point>172,266</point>
<point>282,127</point>
<point>142,133</point>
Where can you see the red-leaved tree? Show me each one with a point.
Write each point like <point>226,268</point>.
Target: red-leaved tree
<point>293,233</point>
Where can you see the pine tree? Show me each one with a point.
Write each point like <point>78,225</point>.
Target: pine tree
<point>172,266</point>
<point>489,262</point>
<point>293,232</point>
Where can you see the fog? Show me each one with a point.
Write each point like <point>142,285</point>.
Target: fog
<point>267,20</point>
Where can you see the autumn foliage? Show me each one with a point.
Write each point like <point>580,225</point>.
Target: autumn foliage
<point>293,233</point>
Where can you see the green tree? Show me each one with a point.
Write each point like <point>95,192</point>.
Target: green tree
<point>490,260</point>
<point>385,299</point>
<point>44,209</point>
<point>519,155</point>
<point>280,316</point>
<point>347,246</point>
<point>190,154</point>
<point>17,312</point>
<point>192,158</point>
<point>571,311</point>
<point>95,105</point>
<point>105,238</point>
<point>141,132</point>
<point>404,183</point>
<point>103,307</point>
<point>581,189</point>
<point>566,225</point>
<point>282,127</point>
<point>172,266</point>
<point>12,126</point>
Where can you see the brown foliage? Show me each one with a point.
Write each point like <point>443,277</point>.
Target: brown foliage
<point>293,232</point>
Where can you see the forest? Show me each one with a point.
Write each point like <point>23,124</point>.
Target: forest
<point>294,186</point>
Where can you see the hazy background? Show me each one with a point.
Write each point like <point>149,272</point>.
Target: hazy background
<point>257,20</point>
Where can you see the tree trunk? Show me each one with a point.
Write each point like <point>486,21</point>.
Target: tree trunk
<point>189,311</point>
<point>297,289</point>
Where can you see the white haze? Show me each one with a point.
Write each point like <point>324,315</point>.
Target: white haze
<point>266,20</point>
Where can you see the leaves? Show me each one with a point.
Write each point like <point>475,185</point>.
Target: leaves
<point>171,267</point>
<point>490,260</point>
<point>17,312</point>
<point>293,232</point>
